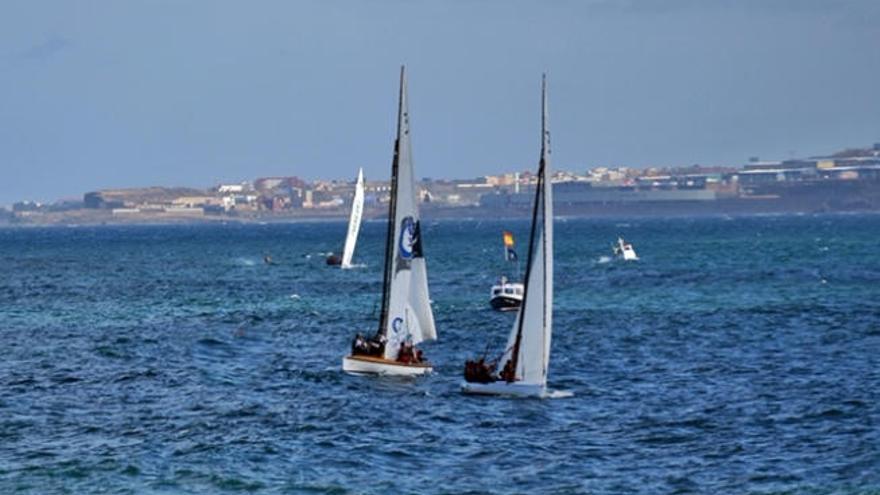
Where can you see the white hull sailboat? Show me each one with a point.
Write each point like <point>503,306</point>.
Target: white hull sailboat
<point>625,250</point>
<point>354,225</point>
<point>513,389</point>
<point>406,318</point>
<point>524,361</point>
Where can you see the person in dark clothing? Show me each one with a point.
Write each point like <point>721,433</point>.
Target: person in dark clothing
<point>508,374</point>
<point>478,371</point>
<point>376,346</point>
<point>406,354</point>
<point>402,354</point>
<point>359,345</point>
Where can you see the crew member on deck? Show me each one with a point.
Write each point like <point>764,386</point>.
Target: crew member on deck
<point>508,374</point>
<point>359,345</point>
<point>478,371</point>
<point>405,354</point>
<point>376,346</point>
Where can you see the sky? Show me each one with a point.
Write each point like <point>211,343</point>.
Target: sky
<point>100,94</point>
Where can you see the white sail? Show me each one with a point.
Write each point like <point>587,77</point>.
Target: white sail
<point>408,315</point>
<point>534,321</point>
<point>354,222</point>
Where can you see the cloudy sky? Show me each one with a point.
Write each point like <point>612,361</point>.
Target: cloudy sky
<point>97,94</point>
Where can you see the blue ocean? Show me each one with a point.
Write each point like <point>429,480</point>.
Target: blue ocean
<point>739,355</point>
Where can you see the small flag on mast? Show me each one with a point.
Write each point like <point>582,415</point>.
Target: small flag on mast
<point>509,252</point>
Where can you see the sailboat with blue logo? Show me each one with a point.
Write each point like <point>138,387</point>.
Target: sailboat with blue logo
<point>406,318</point>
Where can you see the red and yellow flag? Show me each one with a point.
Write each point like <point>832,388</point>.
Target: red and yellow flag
<point>508,239</point>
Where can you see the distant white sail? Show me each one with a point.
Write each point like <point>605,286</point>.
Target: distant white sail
<point>532,330</point>
<point>354,222</point>
<point>407,315</point>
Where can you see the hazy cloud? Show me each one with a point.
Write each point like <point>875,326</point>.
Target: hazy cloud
<point>45,50</point>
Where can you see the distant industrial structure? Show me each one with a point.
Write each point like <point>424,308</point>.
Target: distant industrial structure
<point>845,181</point>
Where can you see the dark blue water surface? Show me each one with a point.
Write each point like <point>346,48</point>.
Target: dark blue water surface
<point>738,356</point>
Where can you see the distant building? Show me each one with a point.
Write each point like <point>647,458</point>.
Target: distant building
<point>583,193</point>
<point>23,206</point>
<point>65,205</point>
<point>232,188</point>
<point>197,201</point>
<point>755,164</point>
<point>134,197</point>
<point>267,184</point>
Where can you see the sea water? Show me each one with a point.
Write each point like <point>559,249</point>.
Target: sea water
<point>739,355</point>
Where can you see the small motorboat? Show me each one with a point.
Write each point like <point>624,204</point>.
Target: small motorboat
<point>506,295</point>
<point>624,250</point>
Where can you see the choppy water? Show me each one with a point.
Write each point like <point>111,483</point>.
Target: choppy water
<point>738,356</point>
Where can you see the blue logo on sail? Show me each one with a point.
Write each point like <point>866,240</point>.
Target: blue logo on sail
<point>395,325</point>
<point>410,244</point>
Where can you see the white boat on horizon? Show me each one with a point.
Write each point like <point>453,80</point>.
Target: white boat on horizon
<point>406,317</point>
<point>354,225</point>
<point>624,250</point>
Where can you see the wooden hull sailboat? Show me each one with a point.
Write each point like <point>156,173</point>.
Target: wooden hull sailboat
<point>371,365</point>
<point>524,361</point>
<point>406,318</point>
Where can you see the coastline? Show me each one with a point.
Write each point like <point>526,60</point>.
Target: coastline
<point>721,209</point>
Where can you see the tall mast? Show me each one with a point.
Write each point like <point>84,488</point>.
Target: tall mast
<point>545,152</point>
<point>392,209</point>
